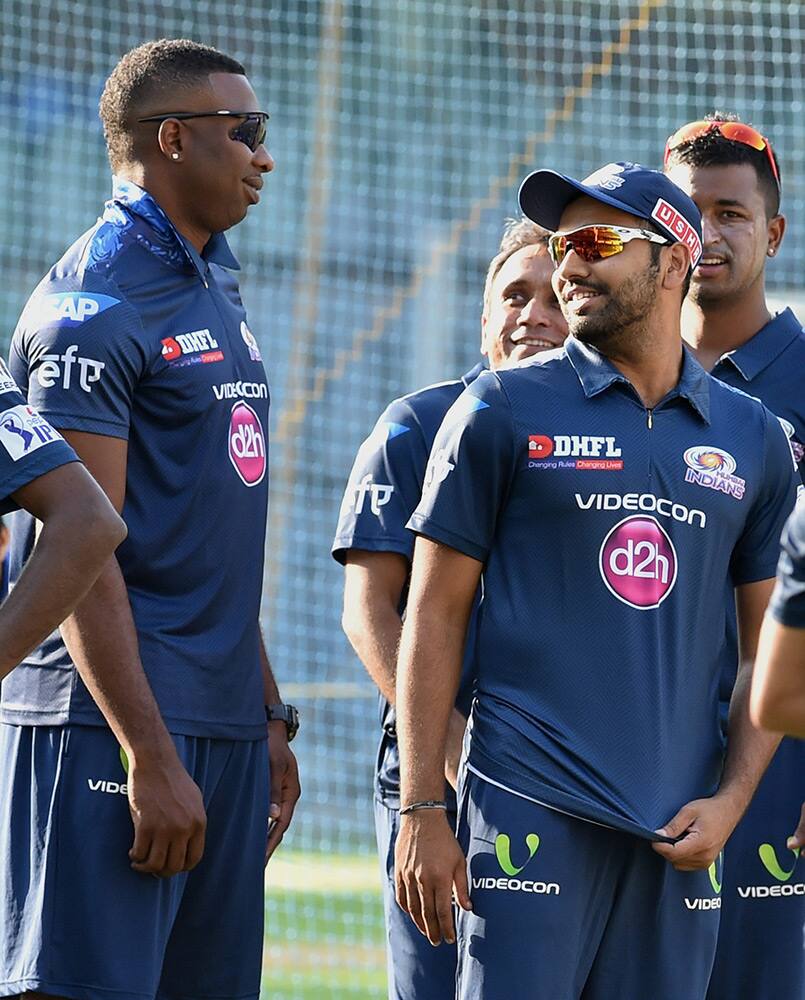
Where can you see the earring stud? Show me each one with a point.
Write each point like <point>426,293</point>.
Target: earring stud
<point>174,156</point>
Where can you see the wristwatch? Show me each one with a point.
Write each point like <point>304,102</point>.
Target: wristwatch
<point>287,714</point>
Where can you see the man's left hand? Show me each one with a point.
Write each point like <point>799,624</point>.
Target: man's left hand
<point>285,789</point>
<point>703,827</point>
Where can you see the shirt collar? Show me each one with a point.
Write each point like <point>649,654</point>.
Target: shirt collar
<point>171,244</point>
<point>468,377</point>
<point>766,346</point>
<point>596,374</point>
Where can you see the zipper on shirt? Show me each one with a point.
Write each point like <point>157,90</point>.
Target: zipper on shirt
<point>650,418</point>
<point>650,426</point>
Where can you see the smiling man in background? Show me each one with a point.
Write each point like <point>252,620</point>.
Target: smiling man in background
<point>520,318</point>
<point>730,170</point>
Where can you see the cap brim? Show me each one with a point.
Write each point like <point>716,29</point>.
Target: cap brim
<point>545,194</point>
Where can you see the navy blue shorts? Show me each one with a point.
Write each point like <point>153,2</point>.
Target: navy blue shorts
<point>416,970</point>
<point>77,922</point>
<point>567,910</point>
<point>760,952</point>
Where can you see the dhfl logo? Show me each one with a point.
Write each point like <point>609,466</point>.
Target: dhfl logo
<point>680,227</point>
<point>638,562</point>
<point>170,349</point>
<point>247,444</point>
<point>539,446</point>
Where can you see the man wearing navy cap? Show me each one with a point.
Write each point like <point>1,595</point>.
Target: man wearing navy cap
<point>604,492</point>
<point>730,170</point>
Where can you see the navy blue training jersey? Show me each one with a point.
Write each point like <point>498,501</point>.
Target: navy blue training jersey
<point>604,529</point>
<point>787,603</point>
<point>134,335</point>
<point>771,367</point>
<point>383,490</point>
<point>29,446</point>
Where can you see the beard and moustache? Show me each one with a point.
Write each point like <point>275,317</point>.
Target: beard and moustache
<point>621,322</point>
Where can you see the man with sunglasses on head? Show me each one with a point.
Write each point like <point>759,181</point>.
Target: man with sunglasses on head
<point>521,318</point>
<point>603,492</point>
<point>731,172</point>
<point>136,806</point>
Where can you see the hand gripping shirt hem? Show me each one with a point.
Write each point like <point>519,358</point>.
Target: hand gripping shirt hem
<point>424,526</point>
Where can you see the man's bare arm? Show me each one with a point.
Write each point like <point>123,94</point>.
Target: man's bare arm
<point>373,587</point>
<point>705,824</point>
<point>166,805</point>
<point>80,531</point>
<point>778,684</point>
<point>285,788</point>
<point>429,861</point>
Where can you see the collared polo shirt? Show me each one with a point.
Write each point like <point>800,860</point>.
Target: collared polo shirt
<point>135,335</point>
<point>787,603</point>
<point>384,487</point>
<point>604,529</point>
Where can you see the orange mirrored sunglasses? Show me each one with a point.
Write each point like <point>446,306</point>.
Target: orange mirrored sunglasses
<point>734,131</point>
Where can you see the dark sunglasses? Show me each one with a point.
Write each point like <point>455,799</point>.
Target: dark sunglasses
<point>593,243</point>
<point>251,131</point>
<point>734,131</point>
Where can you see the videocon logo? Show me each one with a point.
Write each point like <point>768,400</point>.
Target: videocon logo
<point>712,871</point>
<point>504,856</point>
<point>124,760</point>
<point>769,858</point>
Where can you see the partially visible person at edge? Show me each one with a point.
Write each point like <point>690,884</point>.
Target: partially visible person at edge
<point>520,318</point>
<point>732,173</point>
<point>778,683</point>
<point>136,346</point>
<point>41,474</point>
<point>595,800</point>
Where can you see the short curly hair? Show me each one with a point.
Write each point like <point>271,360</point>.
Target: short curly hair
<point>713,150</point>
<point>145,74</point>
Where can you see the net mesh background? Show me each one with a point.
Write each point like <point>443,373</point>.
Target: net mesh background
<point>400,133</point>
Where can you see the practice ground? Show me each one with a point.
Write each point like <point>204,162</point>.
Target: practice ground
<point>324,928</point>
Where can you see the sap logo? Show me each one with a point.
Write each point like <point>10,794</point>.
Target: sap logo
<point>23,431</point>
<point>607,177</point>
<point>7,383</point>
<point>110,787</point>
<point>247,444</point>
<point>68,308</point>
<point>642,501</point>
<point>379,495</point>
<point>674,221</point>
<point>246,390</point>
<point>703,903</point>
<point>439,468</point>
<point>197,346</point>
<point>55,368</point>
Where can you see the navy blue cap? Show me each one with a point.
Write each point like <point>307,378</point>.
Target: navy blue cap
<point>632,188</point>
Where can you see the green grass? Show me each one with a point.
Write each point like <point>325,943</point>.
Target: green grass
<point>324,929</point>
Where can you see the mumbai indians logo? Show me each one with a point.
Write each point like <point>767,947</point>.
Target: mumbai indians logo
<point>713,468</point>
<point>770,861</point>
<point>607,177</point>
<point>503,854</point>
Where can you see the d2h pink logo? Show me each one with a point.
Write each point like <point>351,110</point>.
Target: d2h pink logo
<point>638,562</point>
<point>247,444</point>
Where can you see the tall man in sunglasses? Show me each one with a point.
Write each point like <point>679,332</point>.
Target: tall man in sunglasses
<point>729,169</point>
<point>521,317</point>
<point>135,806</point>
<point>603,492</point>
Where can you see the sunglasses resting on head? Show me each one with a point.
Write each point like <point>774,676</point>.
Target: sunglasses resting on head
<point>251,131</point>
<point>733,131</point>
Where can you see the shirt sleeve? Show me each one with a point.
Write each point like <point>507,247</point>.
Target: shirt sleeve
<point>29,446</point>
<point>758,549</point>
<point>469,471</point>
<point>80,354</point>
<point>787,604</point>
<point>384,487</point>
